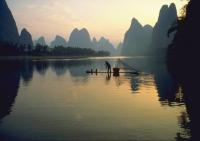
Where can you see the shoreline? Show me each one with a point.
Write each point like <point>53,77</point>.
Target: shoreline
<point>66,57</point>
<point>44,57</point>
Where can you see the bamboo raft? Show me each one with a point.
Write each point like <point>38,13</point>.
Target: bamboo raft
<point>116,71</point>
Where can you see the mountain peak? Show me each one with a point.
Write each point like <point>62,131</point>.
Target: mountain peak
<point>58,37</point>
<point>134,21</point>
<point>148,26</point>
<point>41,41</point>
<point>84,30</point>
<point>25,38</point>
<point>167,11</point>
<point>41,38</point>
<point>164,8</point>
<point>102,39</point>
<point>172,9</point>
<point>80,38</point>
<point>167,16</point>
<point>24,30</point>
<point>135,24</point>
<point>58,41</point>
<point>75,30</point>
<point>172,5</point>
<point>94,39</point>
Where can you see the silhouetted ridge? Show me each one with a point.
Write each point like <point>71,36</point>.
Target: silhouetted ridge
<point>137,39</point>
<point>58,41</point>
<point>135,24</point>
<point>105,45</point>
<point>119,48</point>
<point>25,39</point>
<point>95,42</point>
<point>163,13</point>
<point>8,27</point>
<point>80,38</point>
<point>160,40</point>
<point>183,62</point>
<point>185,46</point>
<point>41,41</point>
<point>148,28</point>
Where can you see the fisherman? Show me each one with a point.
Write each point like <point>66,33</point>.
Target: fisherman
<point>108,67</point>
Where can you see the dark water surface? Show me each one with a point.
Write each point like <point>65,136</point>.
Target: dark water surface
<point>55,100</point>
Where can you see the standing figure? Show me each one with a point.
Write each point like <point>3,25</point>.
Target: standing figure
<point>108,67</point>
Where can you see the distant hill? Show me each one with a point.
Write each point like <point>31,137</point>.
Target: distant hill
<point>137,39</point>
<point>95,43</point>
<point>160,40</point>
<point>40,41</point>
<point>80,38</point>
<point>104,45</point>
<point>119,48</point>
<point>8,27</point>
<point>25,38</point>
<point>58,41</point>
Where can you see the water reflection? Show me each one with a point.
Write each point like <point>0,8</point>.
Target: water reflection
<point>168,89</point>
<point>27,68</point>
<point>191,89</point>
<point>170,92</point>
<point>41,66</point>
<point>59,67</point>
<point>108,78</point>
<point>9,85</point>
<point>135,83</point>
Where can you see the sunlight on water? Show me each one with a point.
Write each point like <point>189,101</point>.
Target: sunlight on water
<point>57,100</point>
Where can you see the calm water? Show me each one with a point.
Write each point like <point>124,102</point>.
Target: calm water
<point>55,100</point>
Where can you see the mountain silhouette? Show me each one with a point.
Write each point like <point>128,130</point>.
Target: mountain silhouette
<point>8,27</point>
<point>58,41</point>
<point>160,40</point>
<point>104,45</point>
<point>119,48</point>
<point>40,41</point>
<point>25,38</point>
<point>183,62</point>
<point>80,38</point>
<point>95,43</point>
<point>137,39</point>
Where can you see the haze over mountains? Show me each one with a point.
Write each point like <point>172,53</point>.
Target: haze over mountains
<point>58,41</point>
<point>41,41</point>
<point>146,40</point>
<point>138,40</point>
<point>105,45</point>
<point>80,38</point>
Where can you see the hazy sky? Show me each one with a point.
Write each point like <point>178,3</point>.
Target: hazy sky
<point>108,18</point>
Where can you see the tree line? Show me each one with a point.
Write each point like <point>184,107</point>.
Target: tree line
<point>8,49</point>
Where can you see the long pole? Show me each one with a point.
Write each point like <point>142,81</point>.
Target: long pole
<point>128,65</point>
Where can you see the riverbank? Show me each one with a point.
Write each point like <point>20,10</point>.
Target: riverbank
<point>44,57</point>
